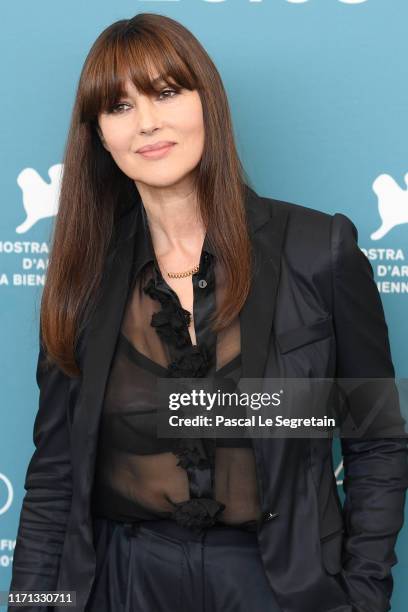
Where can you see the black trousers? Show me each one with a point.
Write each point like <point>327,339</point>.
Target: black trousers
<point>161,566</point>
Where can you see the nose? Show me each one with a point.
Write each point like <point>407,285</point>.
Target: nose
<point>148,118</point>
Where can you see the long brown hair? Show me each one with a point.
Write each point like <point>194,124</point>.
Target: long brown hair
<point>94,191</point>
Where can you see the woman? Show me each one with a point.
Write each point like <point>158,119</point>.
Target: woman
<point>166,264</point>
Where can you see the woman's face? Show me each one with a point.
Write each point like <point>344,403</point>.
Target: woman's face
<point>138,120</point>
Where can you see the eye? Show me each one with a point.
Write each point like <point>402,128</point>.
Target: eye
<point>168,91</point>
<point>115,107</point>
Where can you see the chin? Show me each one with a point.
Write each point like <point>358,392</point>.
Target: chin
<point>165,179</point>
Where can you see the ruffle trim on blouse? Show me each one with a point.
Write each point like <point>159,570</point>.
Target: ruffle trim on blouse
<point>172,321</point>
<point>194,363</point>
<point>189,455</point>
<point>197,513</point>
<point>171,324</point>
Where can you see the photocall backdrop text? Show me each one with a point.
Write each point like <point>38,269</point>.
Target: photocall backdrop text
<point>319,98</point>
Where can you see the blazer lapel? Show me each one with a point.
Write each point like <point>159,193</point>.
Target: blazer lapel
<point>96,349</point>
<point>268,231</point>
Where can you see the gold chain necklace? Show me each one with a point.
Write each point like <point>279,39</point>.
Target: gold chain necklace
<point>183,274</point>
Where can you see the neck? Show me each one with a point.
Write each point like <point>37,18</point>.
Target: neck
<point>174,219</point>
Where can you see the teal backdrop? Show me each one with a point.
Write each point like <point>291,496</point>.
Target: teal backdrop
<point>319,96</point>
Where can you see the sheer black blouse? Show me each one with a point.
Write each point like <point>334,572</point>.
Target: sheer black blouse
<point>139,475</point>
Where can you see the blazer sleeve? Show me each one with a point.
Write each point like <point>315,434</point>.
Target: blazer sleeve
<point>48,484</point>
<point>375,470</point>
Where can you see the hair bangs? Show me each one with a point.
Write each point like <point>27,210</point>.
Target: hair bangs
<point>143,59</point>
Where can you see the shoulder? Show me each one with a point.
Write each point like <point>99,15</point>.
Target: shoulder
<point>300,217</point>
<point>307,229</point>
<point>311,229</point>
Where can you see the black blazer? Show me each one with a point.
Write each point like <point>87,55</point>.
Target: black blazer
<point>313,311</point>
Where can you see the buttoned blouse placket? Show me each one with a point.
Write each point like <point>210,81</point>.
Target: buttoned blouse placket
<point>196,455</point>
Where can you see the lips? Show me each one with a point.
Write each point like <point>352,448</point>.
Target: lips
<point>162,144</point>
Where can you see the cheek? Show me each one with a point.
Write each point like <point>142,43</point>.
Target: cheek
<point>116,132</point>
<point>118,140</point>
<point>192,130</point>
<point>120,144</point>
